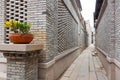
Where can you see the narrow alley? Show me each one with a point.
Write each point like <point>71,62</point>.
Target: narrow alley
<point>53,39</point>
<point>86,67</point>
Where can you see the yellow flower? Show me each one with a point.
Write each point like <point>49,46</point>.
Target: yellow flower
<point>13,22</point>
<point>17,27</point>
<point>10,23</point>
<point>7,24</point>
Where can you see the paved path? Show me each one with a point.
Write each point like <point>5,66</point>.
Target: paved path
<point>86,67</point>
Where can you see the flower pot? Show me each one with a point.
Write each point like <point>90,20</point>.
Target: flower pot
<point>17,38</point>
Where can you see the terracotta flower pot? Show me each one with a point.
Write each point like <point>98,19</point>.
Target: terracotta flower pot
<point>17,38</point>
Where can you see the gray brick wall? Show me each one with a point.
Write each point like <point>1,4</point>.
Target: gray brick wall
<point>108,30</point>
<point>67,28</point>
<point>2,21</point>
<point>105,30</point>
<point>117,29</point>
<point>52,16</point>
<point>22,65</point>
<point>37,17</point>
<point>82,39</point>
<point>2,16</point>
<point>43,16</point>
<point>53,26</point>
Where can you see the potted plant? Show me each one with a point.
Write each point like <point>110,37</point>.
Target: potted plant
<point>21,33</point>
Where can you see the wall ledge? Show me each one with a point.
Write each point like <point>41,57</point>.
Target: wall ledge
<point>66,52</point>
<point>104,53</point>
<point>3,60</point>
<point>61,55</point>
<point>109,59</point>
<point>47,64</point>
<point>117,62</point>
<point>20,47</point>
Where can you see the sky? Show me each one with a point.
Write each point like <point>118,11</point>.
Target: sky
<point>88,7</point>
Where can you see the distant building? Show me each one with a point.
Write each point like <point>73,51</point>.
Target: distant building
<point>89,32</point>
<point>93,37</point>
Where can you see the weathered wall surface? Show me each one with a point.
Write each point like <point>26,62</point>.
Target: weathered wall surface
<point>2,16</point>
<point>105,30</point>
<point>52,31</point>
<point>108,38</point>
<point>55,26</point>
<point>37,17</point>
<point>80,22</point>
<point>117,30</point>
<point>108,30</point>
<point>67,28</point>
<point>89,32</point>
<point>43,16</point>
<point>82,39</point>
<point>2,21</point>
<point>105,38</point>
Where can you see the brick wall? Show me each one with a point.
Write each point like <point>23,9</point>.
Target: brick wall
<point>37,17</point>
<point>2,34</point>
<point>82,39</point>
<point>52,24</point>
<point>105,30</point>
<point>67,28</point>
<point>117,29</point>
<point>108,30</point>
<point>2,21</point>
<point>108,39</point>
<point>22,65</point>
<point>81,36</point>
<point>43,16</point>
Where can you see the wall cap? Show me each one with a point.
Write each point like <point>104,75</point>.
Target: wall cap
<point>58,57</point>
<point>20,47</point>
<point>109,59</point>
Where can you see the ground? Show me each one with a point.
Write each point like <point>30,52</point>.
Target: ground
<point>86,67</point>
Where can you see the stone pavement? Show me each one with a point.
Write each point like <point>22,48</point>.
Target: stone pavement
<point>86,67</point>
